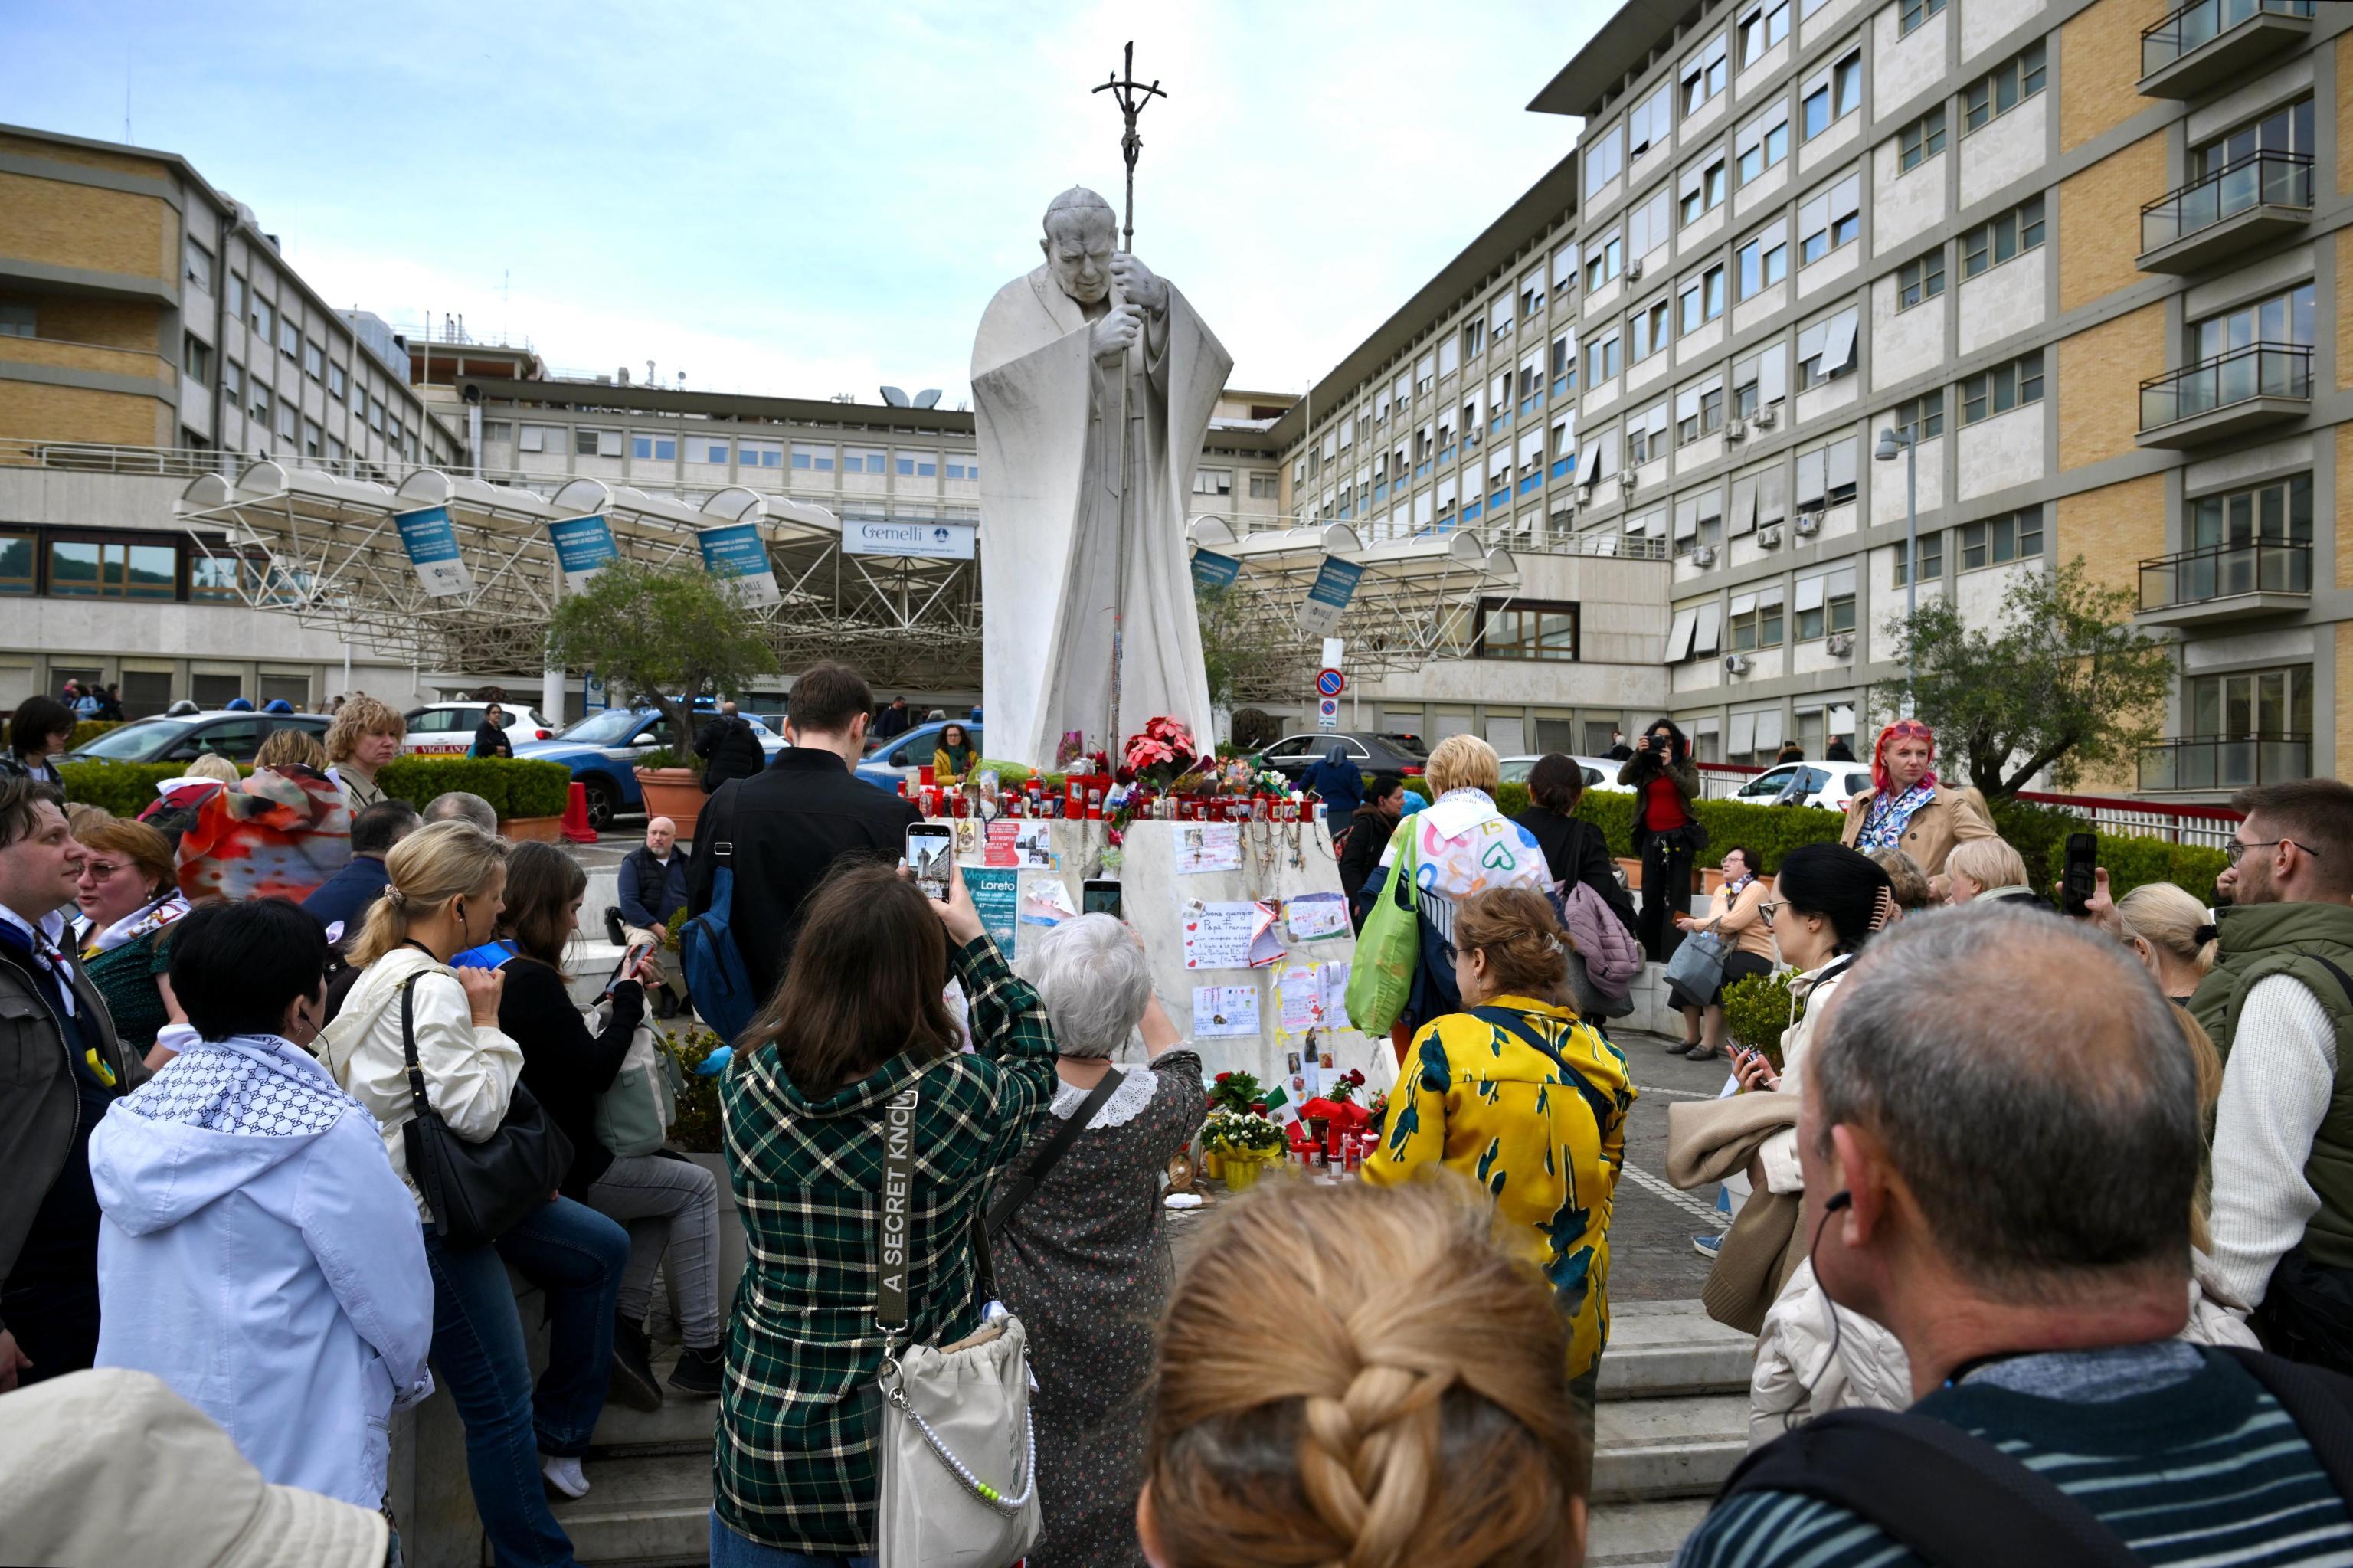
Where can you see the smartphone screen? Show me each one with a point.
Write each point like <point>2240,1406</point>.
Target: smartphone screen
<point>929,857</point>
<point>628,967</point>
<point>1099,895</point>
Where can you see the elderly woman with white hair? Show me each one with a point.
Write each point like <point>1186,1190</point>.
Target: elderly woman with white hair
<point>1082,1260</point>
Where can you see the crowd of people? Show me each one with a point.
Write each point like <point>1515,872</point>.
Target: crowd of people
<point>2023,1193</point>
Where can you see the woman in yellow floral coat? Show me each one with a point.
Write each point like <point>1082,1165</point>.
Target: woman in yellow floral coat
<point>1517,1093</point>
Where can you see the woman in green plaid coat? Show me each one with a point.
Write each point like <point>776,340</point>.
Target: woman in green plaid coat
<point>859,1015</point>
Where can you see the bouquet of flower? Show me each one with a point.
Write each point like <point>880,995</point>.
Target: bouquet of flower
<point>1344,1085</point>
<point>1072,749</point>
<point>1231,1132</point>
<point>1158,755</point>
<point>1237,1092</point>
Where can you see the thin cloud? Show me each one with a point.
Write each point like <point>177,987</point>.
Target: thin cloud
<point>814,199</point>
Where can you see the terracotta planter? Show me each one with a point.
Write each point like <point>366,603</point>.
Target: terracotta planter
<point>1704,879</point>
<point>672,792</point>
<point>538,829</point>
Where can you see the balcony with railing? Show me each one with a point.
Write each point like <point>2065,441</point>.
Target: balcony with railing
<point>2207,41</point>
<point>2246,203</point>
<point>2262,383</point>
<point>2224,762</point>
<point>2225,582</point>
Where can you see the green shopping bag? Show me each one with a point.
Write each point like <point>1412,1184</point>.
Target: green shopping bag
<point>1380,976</point>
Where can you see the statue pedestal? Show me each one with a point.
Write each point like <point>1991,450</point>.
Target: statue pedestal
<point>1152,894</point>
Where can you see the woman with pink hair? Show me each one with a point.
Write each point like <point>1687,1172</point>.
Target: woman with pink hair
<point>1906,807</point>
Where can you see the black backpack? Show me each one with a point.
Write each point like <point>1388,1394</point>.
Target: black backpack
<point>1956,1501</point>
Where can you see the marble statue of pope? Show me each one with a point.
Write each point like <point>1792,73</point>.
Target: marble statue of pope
<point>1090,352</point>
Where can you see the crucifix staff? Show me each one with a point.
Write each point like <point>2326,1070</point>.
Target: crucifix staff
<point>1132,96</point>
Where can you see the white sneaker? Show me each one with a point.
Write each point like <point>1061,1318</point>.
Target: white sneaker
<point>565,1476</point>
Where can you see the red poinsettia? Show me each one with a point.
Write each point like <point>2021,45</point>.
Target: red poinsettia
<point>1159,753</point>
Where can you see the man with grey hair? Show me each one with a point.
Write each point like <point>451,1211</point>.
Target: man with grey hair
<point>1092,384</point>
<point>1076,1225</point>
<point>2000,1132</point>
<point>457,805</point>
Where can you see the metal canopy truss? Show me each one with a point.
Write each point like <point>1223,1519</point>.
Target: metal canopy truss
<point>325,549</point>
<point>1416,601</point>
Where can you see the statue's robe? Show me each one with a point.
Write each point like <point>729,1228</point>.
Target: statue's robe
<point>1049,424</point>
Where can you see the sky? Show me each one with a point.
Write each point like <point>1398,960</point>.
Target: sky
<point>804,200</point>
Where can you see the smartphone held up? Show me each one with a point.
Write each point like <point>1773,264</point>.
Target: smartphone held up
<point>930,858</point>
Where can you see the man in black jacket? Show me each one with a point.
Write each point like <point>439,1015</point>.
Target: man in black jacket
<point>651,886</point>
<point>893,721</point>
<point>791,823</point>
<point>728,748</point>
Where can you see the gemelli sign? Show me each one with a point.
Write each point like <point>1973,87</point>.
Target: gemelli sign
<point>908,536</point>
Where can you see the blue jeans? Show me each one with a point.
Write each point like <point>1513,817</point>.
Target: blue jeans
<point>479,1355</point>
<point>729,1550</point>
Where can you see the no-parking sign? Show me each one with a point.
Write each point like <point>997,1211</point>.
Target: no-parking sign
<point>1330,682</point>
<point>1328,714</point>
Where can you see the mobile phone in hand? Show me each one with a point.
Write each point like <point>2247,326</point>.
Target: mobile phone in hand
<point>2078,882</point>
<point>929,857</point>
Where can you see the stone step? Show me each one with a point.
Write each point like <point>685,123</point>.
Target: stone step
<point>651,1511</point>
<point>1658,1348</point>
<point>1640,1535</point>
<point>683,1425</point>
<point>1682,1446</point>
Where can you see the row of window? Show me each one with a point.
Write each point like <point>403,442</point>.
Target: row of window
<point>65,563</point>
<point>273,413</point>
<point>804,457</point>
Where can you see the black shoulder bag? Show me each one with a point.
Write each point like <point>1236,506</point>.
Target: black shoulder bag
<point>478,1192</point>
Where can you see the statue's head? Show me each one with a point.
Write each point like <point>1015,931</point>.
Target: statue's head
<point>1082,231</point>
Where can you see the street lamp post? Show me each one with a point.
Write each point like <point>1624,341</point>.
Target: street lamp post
<point>1907,440</point>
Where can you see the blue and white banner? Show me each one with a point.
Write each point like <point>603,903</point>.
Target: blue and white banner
<point>583,546</point>
<point>907,536</point>
<point>1335,584</point>
<point>737,551</point>
<point>1212,570</point>
<point>432,544</point>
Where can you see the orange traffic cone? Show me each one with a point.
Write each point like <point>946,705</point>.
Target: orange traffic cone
<point>577,826</point>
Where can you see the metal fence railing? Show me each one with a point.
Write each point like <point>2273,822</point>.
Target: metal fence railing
<point>2200,23</point>
<point>2258,370</point>
<point>2225,571</point>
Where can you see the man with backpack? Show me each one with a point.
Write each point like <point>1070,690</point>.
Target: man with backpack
<point>778,834</point>
<point>2279,1005</point>
<point>1999,1134</point>
<point>728,748</point>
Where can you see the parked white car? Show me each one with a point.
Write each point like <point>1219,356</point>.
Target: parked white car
<point>1829,785</point>
<point>1600,772</point>
<point>447,729</point>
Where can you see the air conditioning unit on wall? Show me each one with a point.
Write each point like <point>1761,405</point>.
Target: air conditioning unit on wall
<point>1770,537</point>
<point>1764,417</point>
<point>1842,643</point>
<point>1737,663</point>
<point>1809,524</point>
<point>1633,271</point>
<point>1705,555</point>
<point>1736,431</point>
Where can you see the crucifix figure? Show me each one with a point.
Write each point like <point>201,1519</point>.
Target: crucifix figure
<point>1093,386</point>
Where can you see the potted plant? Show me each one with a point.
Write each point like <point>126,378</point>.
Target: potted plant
<point>1757,1008</point>
<point>673,786</point>
<point>669,635</point>
<point>1247,1145</point>
<point>695,1132</point>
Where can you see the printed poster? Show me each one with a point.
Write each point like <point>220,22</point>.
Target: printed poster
<point>1220,1009</point>
<point>996,897</point>
<point>999,848</point>
<point>1208,846</point>
<point>1033,845</point>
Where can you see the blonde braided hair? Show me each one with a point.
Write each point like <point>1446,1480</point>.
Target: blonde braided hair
<point>1355,1377</point>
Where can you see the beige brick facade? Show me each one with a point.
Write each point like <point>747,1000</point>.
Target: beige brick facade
<point>2344,506</point>
<point>55,152</point>
<point>2345,112</point>
<point>2099,68</point>
<point>2100,371</point>
<point>63,225</point>
<point>30,411</point>
<point>2344,629</point>
<point>109,323</point>
<point>2113,529</point>
<point>2099,221</point>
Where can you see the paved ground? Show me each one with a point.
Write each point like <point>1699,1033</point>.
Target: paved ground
<point>1650,1232</point>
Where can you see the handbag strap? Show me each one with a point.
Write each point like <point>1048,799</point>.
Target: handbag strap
<point>408,1048</point>
<point>1018,1192</point>
<point>898,1216</point>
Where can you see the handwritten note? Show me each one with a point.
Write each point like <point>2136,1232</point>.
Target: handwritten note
<point>1303,1000</point>
<point>1332,981</point>
<point>1218,936</point>
<point>1224,1009</point>
<point>1208,846</point>
<point>1314,916</point>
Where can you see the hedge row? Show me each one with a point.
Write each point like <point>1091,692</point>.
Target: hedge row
<point>85,730</point>
<point>514,787</point>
